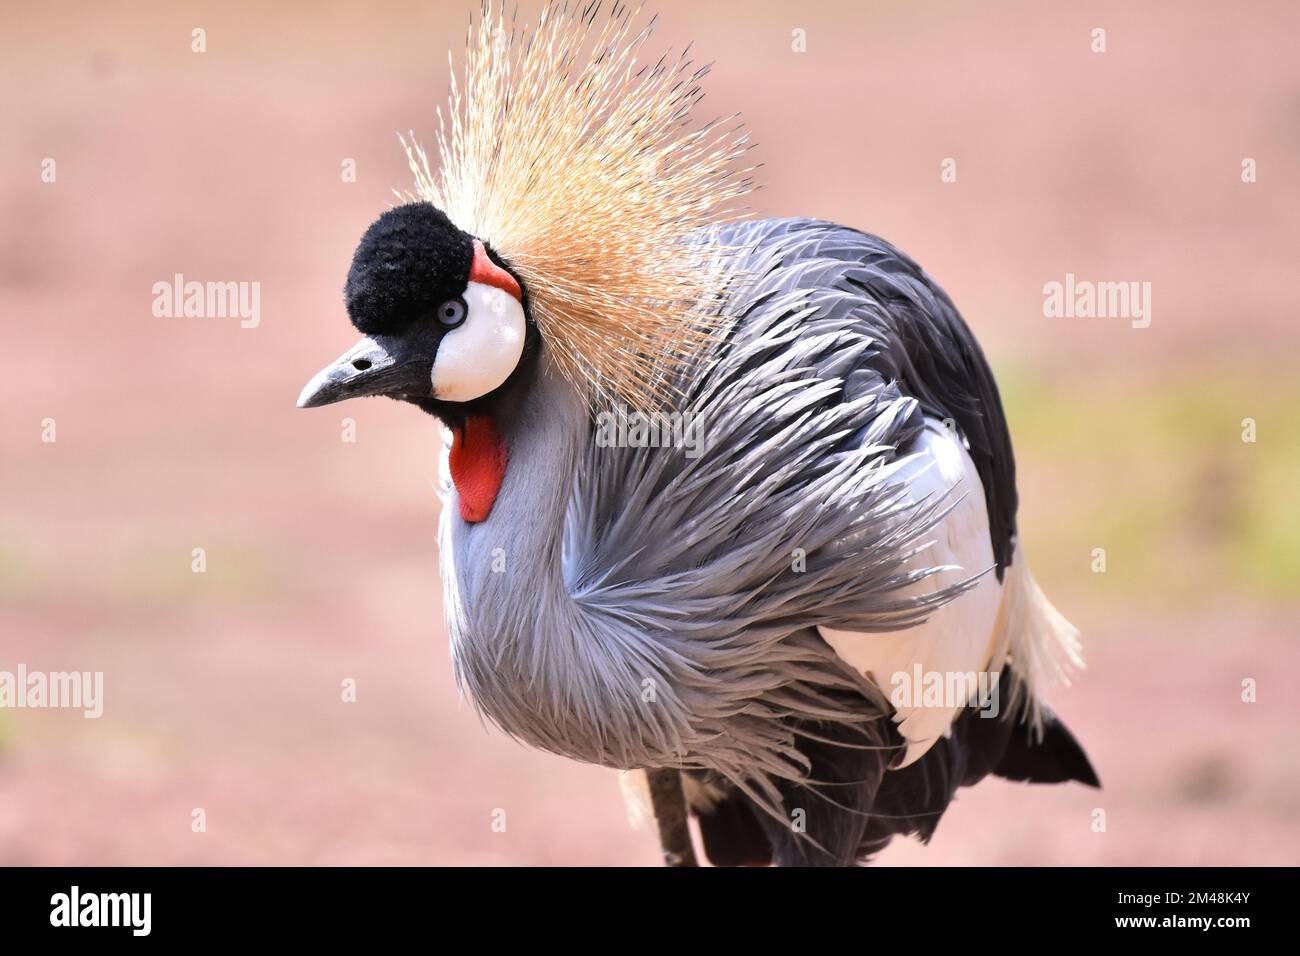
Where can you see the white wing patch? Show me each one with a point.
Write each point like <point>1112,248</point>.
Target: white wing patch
<point>958,638</point>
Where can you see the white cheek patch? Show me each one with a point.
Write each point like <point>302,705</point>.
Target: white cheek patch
<point>480,353</point>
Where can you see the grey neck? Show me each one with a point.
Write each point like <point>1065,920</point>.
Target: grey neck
<point>509,566</point>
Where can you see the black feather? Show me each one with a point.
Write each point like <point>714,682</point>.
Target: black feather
<point>1056,758</point>
<point>409,261</point>
<point>856,805</point>
<point>731,833</point>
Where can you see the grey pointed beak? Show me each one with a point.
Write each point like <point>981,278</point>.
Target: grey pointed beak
<point>377,365</point>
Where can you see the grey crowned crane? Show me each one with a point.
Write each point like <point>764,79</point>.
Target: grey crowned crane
<point>816,622</point>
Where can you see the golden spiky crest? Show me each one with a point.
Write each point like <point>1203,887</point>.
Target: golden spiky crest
<point>581,165</point>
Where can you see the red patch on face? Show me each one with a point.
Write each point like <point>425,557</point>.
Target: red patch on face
<point>478,465</point>
<point>486,271</point>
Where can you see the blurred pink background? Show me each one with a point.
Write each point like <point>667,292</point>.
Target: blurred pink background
<point>223,689</point>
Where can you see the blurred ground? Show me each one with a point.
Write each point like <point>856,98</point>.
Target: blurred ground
<point>223,689</point>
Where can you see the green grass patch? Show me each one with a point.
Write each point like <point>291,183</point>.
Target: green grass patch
<point>1156,472</point>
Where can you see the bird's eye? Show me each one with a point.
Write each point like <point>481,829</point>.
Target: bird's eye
<point>452,312</point>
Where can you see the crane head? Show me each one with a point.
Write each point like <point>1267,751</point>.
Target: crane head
<point>445,322</point>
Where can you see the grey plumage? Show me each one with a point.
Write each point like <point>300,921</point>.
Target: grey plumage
<point>727,608</point>
<point>637,607</point>
<point>731,609</point>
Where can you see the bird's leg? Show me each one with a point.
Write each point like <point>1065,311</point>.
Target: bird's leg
<point>669,802</point>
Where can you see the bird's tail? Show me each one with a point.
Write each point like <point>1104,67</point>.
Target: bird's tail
<point>1034,638</point>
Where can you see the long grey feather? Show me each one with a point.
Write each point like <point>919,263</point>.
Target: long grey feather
<point>639,607</point>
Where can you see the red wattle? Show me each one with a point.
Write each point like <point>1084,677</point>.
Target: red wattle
<point>478,465</point>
